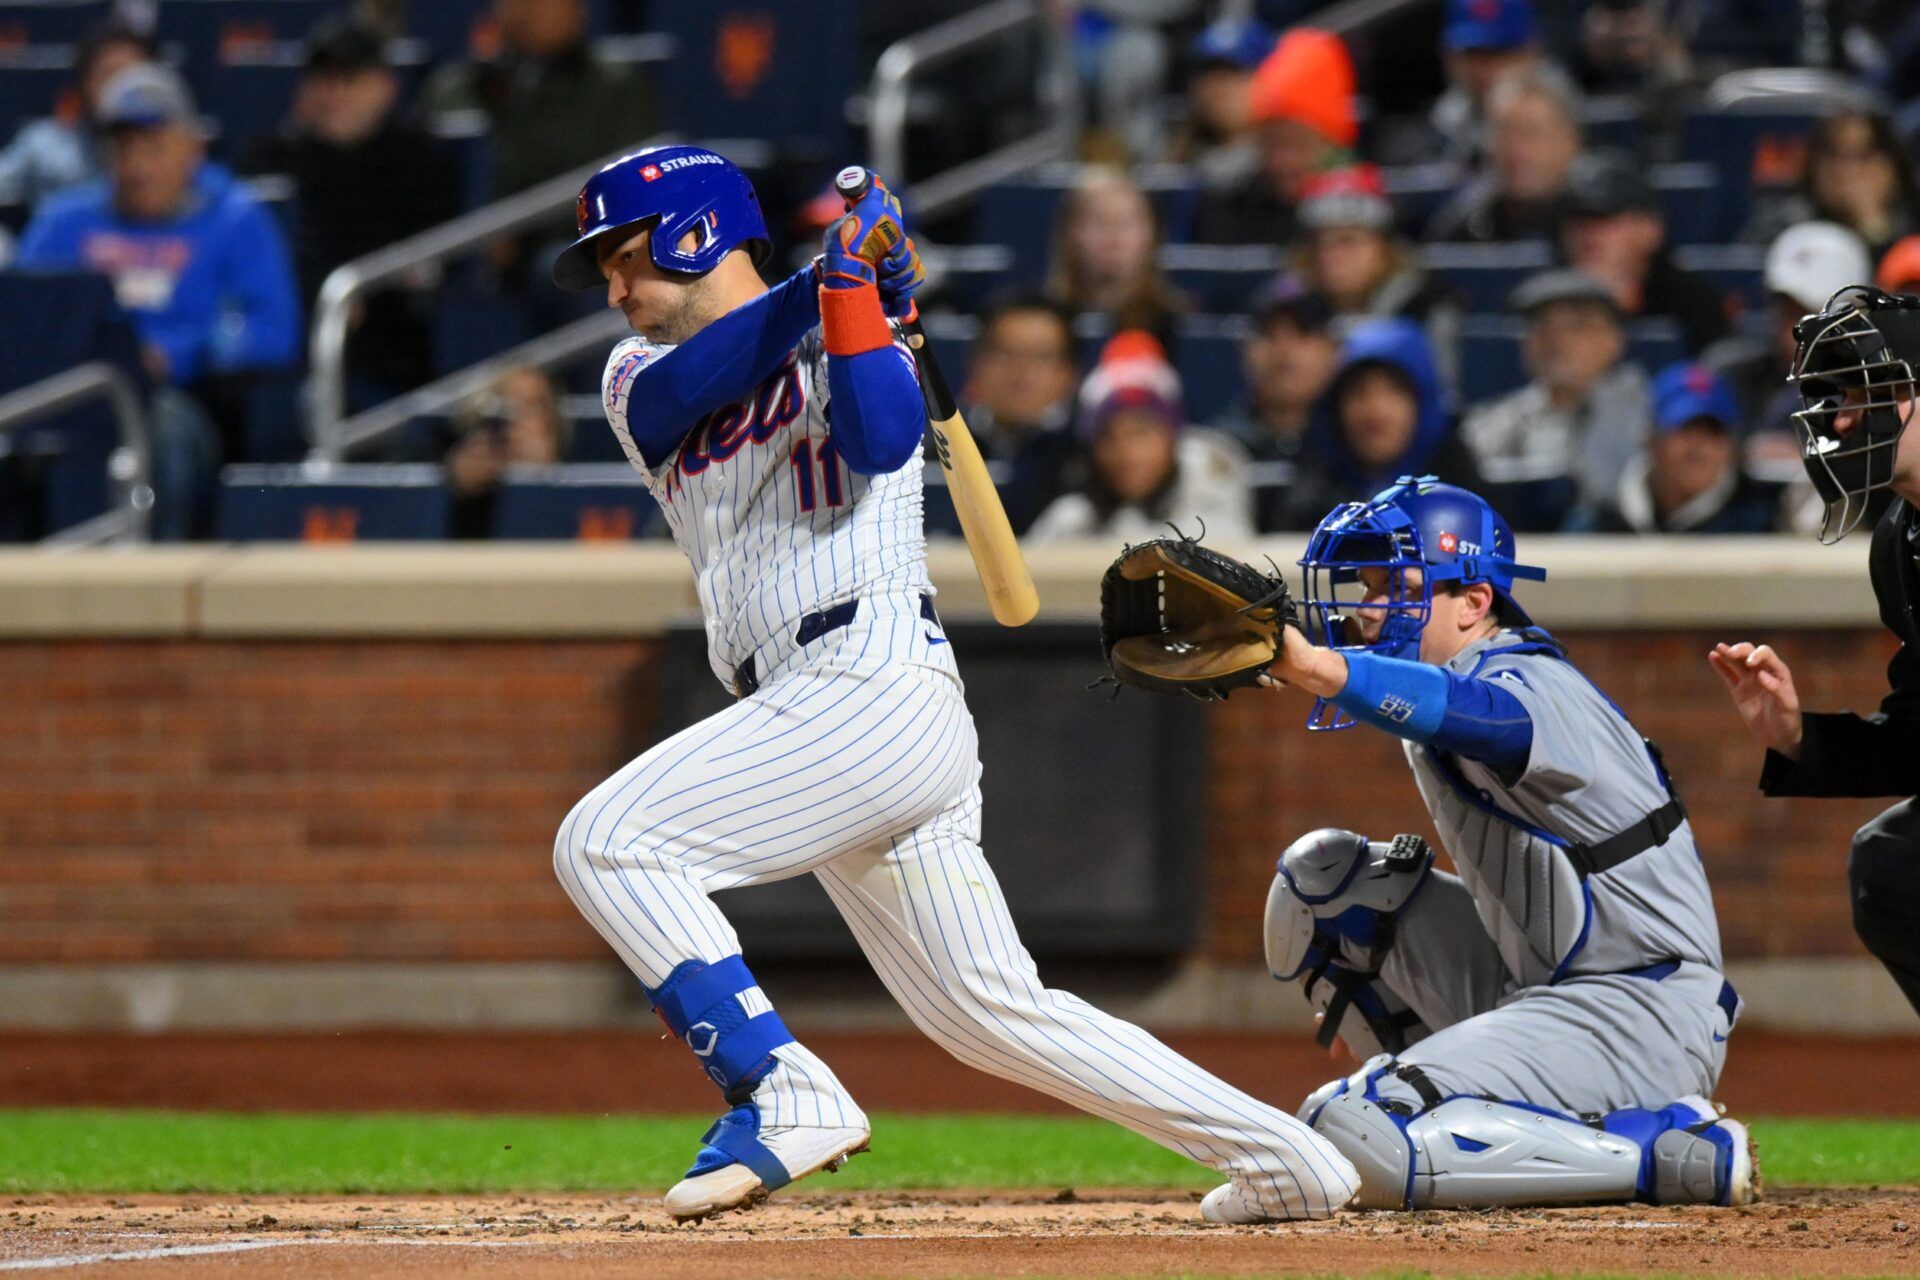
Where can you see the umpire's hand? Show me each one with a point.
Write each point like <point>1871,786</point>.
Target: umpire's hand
<point>1763,694</point>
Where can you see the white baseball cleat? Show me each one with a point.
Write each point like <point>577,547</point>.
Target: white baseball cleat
<point>739,1166</point>
<point>1232,1204</point>
<point>1743,1175</point>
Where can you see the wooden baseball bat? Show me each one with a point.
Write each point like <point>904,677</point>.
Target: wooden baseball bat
<point>983,520</point>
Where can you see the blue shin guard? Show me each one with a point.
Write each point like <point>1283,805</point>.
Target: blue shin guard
<point>700,1003</point>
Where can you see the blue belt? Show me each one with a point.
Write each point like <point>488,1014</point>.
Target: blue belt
<point>746,678</point>
<point>1728,999</point>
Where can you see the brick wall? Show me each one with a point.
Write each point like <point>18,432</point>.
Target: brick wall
<point>397,800</point>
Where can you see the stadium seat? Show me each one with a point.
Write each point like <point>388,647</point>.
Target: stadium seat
<point>1491,364</point>
<point>333,503</point>
<point>469,325</point>
<point>76,319</point>
<point>1614,122</point>
<point>1418,191</point>
<point>49,21</point>
<point>32,78</point>
<point>1020,213</point>
<point>1221,277</point>
<point>1691,200</point>
<point>216,32</point>
<point>1207,354</point>
<point>1739,270</point>
<point>1485,275</point>
<point>586,502</point>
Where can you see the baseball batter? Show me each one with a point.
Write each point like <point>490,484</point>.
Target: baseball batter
<point>780,429</point>
<point>1547,1025</point>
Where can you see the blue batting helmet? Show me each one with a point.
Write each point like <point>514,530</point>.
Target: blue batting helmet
<point>1446,532</point>
<point>678,189</point>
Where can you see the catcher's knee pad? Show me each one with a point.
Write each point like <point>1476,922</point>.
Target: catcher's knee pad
<point>1330,922</point>
<point>1418,1150</point>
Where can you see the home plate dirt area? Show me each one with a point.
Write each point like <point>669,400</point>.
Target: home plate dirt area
<point>1853,1233</point>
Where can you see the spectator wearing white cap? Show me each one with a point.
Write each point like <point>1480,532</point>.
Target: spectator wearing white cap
<point>1145,466</point>
<point>1688,478</point>
<point>1806,264</point>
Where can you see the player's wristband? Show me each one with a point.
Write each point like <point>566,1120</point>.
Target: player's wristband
<point>1408,699</point>
<point>853,321</point>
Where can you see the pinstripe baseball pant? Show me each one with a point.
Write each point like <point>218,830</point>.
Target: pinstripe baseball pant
<point>857,761</point>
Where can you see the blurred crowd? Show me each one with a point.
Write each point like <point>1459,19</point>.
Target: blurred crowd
<point>1350,363</point>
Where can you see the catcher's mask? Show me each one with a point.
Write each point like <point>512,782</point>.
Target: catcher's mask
<point>1852,358</point>
<point>1444,531</point>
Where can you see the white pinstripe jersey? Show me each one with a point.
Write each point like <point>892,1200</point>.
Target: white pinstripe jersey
<point>775,523</point>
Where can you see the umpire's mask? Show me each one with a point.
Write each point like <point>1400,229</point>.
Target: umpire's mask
<point>1851,365</point>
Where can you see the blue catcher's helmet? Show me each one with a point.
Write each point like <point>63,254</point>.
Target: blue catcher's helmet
<point>1446,532</point>
<point>679,189</point>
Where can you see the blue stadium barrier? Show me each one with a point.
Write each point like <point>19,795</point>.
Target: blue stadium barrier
<point>1485,275</point>
<point>586,502</point>
<point>781,72</point>
<point>1753,150</point>
<point>340,503</point>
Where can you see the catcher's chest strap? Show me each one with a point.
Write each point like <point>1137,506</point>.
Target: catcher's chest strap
<point>1650,832</point>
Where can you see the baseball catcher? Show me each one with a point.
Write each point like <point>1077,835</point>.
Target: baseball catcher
<point>1545,1026</point>
<point>1854,369</point>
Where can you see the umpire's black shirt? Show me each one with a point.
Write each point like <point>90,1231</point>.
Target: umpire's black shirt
<point>1844,754</point>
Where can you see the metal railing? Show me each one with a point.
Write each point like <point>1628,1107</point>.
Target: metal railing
<point>333,312</point>
<point>444,394</point>
<point>890,100</point>
<point>131,465</point>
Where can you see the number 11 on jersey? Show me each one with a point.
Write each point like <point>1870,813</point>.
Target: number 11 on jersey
<point>804,456</point>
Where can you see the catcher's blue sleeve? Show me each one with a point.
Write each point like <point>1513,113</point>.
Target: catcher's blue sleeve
<point>1474,719</point>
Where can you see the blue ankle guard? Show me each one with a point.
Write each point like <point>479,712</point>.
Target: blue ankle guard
<point>699,1004</point>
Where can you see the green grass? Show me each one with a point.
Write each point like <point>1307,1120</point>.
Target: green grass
<point>134,1151</point>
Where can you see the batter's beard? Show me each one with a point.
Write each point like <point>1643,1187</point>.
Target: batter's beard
<point>688,315</point>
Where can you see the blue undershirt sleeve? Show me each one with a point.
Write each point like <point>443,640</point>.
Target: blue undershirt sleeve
<point>719,365</point>
<point>1474,719</point>
<point>876,413</point>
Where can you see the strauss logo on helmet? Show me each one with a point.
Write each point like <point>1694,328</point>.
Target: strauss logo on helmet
<point>650,172</point>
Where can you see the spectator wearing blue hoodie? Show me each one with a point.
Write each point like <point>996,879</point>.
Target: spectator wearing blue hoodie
<point>201,268</point>
<point>1386,414</point>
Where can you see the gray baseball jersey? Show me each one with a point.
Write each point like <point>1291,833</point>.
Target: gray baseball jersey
<point>1588,776</point>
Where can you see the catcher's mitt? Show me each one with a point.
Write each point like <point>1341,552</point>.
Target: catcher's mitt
<point>1176,617</point>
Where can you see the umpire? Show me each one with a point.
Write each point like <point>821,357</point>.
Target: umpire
<point>1857,385</point>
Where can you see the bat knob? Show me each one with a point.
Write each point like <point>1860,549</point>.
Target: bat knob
<point>852,182</point>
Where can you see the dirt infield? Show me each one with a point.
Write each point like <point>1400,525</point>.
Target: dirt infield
<point>641,1071</point>
<point>802,1235</point>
